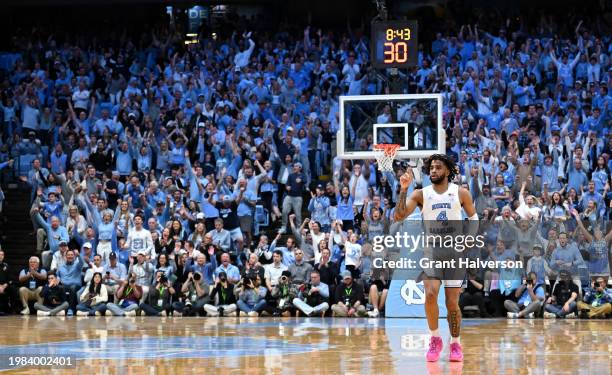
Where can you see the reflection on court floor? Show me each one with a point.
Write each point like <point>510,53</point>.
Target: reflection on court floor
<point>117,345</point>
<point>117,348</point>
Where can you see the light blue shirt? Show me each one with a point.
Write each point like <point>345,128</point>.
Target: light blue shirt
<point>526,297</point>
<point>120,272</point>
<point>54,236</point>
<point>231,271</point>
<point>568,254</point>
<point>243,208</point>
<point>70,274</point>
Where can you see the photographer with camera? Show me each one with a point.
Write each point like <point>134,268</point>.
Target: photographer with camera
<point>597,301</point>
<point>349,296</point>
<point>312,298</point>
<point>222,296</point>
<point>127,298</point>
<point>252,297</point>
<point>195,295</point>
<point>159,297</point>
<point>284,293</point>
<point>530,299</point>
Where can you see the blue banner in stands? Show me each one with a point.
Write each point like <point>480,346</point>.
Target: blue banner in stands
<point>406,299</point>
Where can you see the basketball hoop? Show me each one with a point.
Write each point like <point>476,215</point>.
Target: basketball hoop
<point>385,153</point>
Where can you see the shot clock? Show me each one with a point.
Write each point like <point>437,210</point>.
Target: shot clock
<point>394,44</point>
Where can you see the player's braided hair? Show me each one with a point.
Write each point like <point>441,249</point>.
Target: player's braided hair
<point>450,164</point>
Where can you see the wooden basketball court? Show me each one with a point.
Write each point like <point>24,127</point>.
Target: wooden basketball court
<point>139,345</point>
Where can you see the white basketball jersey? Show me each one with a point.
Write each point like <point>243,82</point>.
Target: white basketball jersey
<point>442,207</point>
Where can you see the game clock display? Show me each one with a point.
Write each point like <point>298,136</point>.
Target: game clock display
<point>394,44</point>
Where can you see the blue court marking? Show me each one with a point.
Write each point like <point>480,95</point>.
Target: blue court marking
<point>171,347</point>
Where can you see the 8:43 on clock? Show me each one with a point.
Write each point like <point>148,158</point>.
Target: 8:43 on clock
<point>394,44</point>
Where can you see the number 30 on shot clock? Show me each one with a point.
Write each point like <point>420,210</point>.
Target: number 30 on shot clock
<point>394,44</point>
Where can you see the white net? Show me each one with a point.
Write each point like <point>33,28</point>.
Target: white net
<point>385,154</point>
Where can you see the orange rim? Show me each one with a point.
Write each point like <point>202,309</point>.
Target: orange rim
<point>389,149</point>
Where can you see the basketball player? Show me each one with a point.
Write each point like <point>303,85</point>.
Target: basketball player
<point>442,200</point>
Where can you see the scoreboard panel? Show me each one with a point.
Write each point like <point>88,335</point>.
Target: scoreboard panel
<point>394,44</point>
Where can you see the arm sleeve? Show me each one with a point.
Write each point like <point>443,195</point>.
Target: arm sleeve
<point>103,294</point>
<point>324,292</point>
<point>83,295</point>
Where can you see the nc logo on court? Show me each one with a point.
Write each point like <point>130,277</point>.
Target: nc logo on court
<point>413,293</point>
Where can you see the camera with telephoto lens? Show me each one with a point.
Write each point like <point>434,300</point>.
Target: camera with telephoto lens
<point>163,279</point>
<point>284,279</point>
<point>197,276</point>
<point>596,284</point>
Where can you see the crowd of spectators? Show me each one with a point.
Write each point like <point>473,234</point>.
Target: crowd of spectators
<point>173,179</point>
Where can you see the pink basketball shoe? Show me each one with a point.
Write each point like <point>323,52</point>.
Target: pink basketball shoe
<point>435,348</point>
<point>456,353</point>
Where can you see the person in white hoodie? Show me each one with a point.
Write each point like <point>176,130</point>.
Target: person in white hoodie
<point>139,239</point>
<point>93,298</point>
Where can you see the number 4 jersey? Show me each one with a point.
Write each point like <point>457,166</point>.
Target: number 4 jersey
<point>442,207</point>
